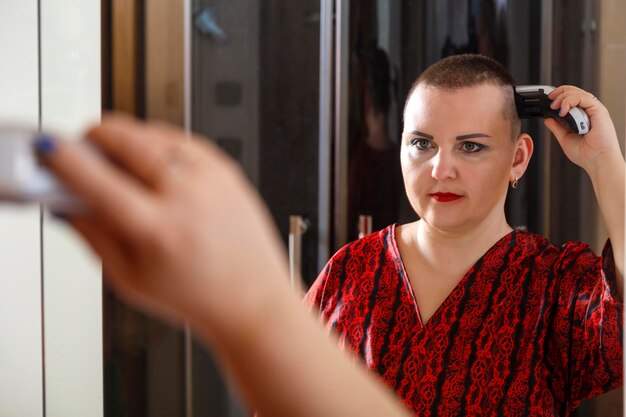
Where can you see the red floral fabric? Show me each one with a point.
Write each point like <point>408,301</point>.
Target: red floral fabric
<point>531,329</point>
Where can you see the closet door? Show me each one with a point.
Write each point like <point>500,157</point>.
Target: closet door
<point>50,286</point>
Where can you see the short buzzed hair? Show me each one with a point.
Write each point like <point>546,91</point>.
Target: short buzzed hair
<point>471,70</point>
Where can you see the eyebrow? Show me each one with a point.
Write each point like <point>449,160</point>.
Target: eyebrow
<point>462,137</point>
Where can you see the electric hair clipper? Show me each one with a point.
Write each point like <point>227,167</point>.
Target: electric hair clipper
<point>533,101</point>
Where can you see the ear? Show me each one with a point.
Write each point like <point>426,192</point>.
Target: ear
<point>521,156</point>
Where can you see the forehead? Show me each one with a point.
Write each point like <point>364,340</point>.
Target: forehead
<point>474,108</point>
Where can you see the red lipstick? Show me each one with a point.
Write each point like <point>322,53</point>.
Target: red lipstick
<point>445,197</point>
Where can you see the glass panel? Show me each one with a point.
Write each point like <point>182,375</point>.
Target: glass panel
<point>256,93</point>
<point>572,200</point>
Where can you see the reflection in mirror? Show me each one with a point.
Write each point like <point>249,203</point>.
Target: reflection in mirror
<point>255,77</point>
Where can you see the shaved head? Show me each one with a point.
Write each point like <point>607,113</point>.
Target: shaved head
<point>471,70</point>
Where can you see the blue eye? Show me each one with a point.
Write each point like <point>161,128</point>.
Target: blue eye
<point>471,147</point>
<point>421,144</point>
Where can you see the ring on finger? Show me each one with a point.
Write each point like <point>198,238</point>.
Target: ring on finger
<point>176,158</point>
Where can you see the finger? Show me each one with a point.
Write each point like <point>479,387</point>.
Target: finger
<point>559,132</point>
<point>570,97</point>
<point>558,91</point>
<point>144,150</point>
<point>102,242</point>
<point>115,262</point>
<point>558,94</point>
<point>564,87</point>
<point>166,138</point>
<point>210,156</point>
<point>114,255</point>
<point>583,100</point>
<point>123,203</point>
<point>117,270</point>
<point>115,259</point>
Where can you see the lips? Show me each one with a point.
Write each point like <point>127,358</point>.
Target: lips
<point>445,197</point>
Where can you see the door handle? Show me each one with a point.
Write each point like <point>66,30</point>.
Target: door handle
<point>298,226</point>
<point>365,225</point>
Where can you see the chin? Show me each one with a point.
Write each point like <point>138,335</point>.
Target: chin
<point>444,223</point>
<point>447,227</point>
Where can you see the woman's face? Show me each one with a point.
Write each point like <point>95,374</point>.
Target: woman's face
<point>457,156</point>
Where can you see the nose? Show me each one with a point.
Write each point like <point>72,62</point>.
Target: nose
<point>443,166</point>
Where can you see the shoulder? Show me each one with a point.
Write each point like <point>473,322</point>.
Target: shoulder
<point>374,244</point>
<point>535,245</point>
<point>350,263</point>
<point>569,259</point>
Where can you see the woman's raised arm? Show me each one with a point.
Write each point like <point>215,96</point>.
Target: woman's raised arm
<point>184,236</point>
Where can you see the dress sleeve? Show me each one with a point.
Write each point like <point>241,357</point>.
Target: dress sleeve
<point>323,296</point>
<point>587,341</point>
<point>314,297</point>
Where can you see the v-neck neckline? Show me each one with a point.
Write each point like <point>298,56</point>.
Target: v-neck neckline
<point>404,276</point>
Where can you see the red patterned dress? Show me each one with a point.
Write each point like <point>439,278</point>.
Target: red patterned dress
<point>531,329</point>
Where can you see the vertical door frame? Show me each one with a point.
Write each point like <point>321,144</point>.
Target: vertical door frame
<point>325,131</point>
<point>547,50</point>
<point>342,62</point>
<point>333,127</point>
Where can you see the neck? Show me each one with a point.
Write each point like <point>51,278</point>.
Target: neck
<point>440,247</point>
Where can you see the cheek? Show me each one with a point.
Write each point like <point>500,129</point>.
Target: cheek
<point>407,167</point>
<point>412,170</point>
<point>488,183</point>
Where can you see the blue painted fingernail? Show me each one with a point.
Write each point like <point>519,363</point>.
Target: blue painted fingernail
<point>44,144</point>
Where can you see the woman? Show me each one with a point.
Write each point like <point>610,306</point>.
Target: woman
<point>459,313</point>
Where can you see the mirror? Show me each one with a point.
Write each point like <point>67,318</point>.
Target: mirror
<point>255,77</point>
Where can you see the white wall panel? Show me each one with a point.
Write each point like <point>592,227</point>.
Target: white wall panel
<point>21,391</point>
<point>70,99</point>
